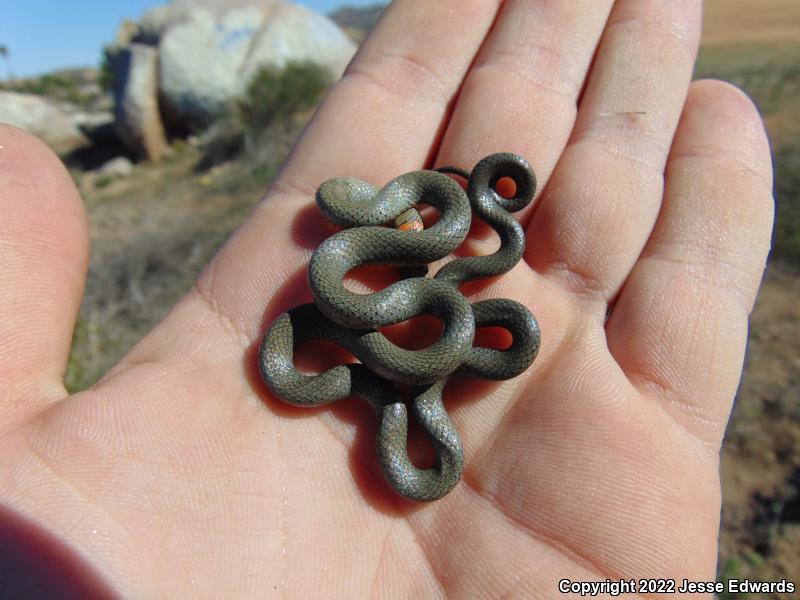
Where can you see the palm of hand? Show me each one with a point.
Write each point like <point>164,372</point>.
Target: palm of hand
<point>176,476</point>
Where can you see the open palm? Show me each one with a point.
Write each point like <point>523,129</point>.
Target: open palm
<point>178,476</point>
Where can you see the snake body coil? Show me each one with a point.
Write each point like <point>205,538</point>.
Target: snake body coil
<point>352,320</point>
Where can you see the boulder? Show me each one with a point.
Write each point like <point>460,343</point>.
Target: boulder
<point>200,62</point>
<point>126,33</point>
<point>210,57</point>
<point>218,8</point>
<point>116,167</point>
<point>88,121</point>
<point>137,118</point>
<point>204,53</point>
<point>158,20</point>
<point>98,127</point>
<point>295,33</point>
<point>48,120</point>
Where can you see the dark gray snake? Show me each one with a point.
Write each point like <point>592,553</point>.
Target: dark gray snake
<point>352,320</point>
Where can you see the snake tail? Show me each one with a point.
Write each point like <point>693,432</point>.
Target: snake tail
<point>422,485</point>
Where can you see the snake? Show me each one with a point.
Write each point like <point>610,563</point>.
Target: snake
<point>384,226</point>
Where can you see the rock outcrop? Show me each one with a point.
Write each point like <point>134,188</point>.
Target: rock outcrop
<point>49,120</point>
<point>203,54</point>
<point>116,167</point>
<point>201,60</point>
<point>294,33</point>
<point>137,118</point>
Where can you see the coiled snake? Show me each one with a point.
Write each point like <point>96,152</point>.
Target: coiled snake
<point>352,320</point>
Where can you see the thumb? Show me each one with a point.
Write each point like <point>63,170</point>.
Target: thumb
<point>44,251</point>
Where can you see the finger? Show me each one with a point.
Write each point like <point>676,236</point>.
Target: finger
<point>43,253</point>
<point>595,216</point>
<point>521,94</point>
<point>379,121</point>
<point>679,327</point>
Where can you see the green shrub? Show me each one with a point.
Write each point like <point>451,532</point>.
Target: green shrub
<point>103,181</point>
<point>106,76</point>
<point>223,140</point>
<point>274,94</point>
<point>60,86</point>
<point>265,112</point>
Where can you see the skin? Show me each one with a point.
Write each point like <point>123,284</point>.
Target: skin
<point>178,476</point>
<point>353,320</point>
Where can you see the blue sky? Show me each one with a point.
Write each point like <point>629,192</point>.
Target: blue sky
<point>43,35</point>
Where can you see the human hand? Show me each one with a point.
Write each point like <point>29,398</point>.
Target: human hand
<point>178,476</point>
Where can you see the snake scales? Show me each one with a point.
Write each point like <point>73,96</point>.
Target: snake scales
<point>352,320</point>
